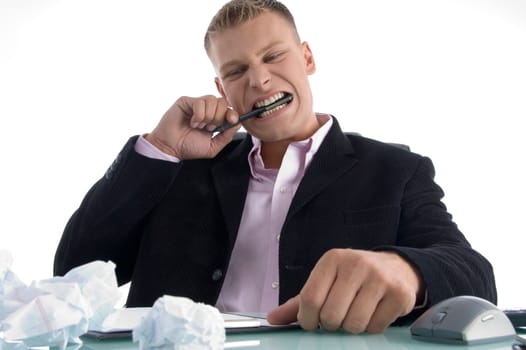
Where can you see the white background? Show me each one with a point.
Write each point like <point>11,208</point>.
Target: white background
<point>447,77</point>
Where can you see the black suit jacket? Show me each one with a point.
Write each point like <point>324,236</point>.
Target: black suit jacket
<point>170,228</point>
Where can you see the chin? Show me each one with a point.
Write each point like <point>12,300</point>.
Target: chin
<point>271,136</point>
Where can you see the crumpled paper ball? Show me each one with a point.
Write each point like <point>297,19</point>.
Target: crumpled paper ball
<point>55,311</point>
<point>178,323</point>
<point>9,282</point>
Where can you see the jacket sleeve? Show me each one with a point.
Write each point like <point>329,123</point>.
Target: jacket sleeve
<point>107,225</point>
<point>431,241</point>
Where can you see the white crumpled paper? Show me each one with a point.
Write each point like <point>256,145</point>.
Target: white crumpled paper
<point>55,311</point>
<point>177,323</point>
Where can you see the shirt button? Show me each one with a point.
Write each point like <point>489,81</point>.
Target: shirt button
<point>282,189</point>
<point>277,238</point>
<point>217,274</point>
<point>275,285</point>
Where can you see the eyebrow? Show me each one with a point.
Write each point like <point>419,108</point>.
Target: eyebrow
<point>258,53</point>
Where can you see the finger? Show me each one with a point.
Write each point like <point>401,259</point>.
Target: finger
<point>212,107</point>
<point>215,111</point>
<point>203,110</point>
<point>221,139</point>
<point>396,302</point>
<point>362,308</point>
<point>220,113</point>
<point>386,313</point>
<point>315,291</point>
<point>285,313</point>
<point>228,116</point>
<point>198,107</point>
<point>340,298</point>
<point>232,117</point>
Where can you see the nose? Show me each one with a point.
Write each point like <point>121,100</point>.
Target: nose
<point>259,77</point>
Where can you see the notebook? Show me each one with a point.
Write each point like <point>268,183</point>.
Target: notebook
<point>119,324</point>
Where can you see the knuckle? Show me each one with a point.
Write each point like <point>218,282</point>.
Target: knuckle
<point>334,255</point>
<point>405,298</point>
<point>210,98</point>
<point>362,260</point>
<point>330,319</point>
<point>309,300</point>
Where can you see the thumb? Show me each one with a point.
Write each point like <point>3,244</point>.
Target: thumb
<point>222,139</point>
<point>285,313</point>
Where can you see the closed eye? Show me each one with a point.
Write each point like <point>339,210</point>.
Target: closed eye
<point>235,72</point>
<point>273,57</point>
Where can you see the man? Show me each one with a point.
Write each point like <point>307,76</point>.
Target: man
<point>339,230</point>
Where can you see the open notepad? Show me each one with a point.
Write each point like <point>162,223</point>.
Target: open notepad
<point>120,323</point>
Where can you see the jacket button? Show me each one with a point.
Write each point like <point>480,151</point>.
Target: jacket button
<point>217,275</point>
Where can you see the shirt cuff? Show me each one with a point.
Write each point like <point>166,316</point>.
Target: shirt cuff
<point>145,148</point>
<point>423,304</point>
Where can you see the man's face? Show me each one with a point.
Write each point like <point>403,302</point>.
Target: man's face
<point>260,60</point>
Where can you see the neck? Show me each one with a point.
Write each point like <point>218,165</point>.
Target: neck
<point>272,152</point>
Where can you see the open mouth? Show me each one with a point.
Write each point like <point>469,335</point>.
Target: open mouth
<point>273,104</point>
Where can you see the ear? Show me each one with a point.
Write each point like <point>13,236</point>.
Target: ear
<point>310,65</point>
<point>219,87</point>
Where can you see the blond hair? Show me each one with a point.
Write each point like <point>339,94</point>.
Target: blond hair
<point>236,12</point>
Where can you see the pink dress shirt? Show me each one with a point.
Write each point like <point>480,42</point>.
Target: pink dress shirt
<point>252,279</point>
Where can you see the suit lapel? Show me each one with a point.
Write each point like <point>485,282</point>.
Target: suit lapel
<point>333,158</point>
<point>231,177</point>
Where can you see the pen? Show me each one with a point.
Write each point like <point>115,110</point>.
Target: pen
<point>284,100</point>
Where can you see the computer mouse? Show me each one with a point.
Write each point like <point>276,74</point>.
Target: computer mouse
<point>463,320</point>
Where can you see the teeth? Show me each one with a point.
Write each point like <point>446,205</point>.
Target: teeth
<point>264,114</point>
<point>269,100</point>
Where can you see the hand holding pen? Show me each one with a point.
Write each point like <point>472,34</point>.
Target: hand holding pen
<point>188,130</point>
<point>185,130</point>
